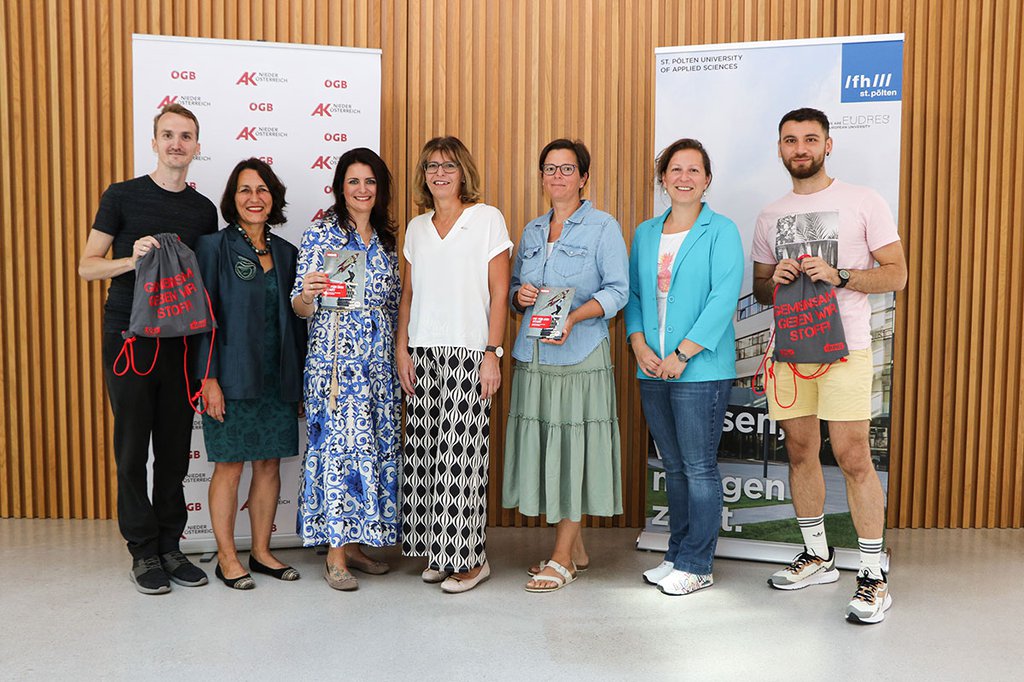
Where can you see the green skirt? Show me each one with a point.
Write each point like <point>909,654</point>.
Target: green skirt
<point>562,451</point>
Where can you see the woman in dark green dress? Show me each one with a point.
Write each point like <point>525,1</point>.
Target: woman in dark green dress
<point>255,378</point>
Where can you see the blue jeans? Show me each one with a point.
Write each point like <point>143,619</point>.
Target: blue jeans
<point>686,420</point>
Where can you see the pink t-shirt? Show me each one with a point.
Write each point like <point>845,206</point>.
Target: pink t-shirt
<point>842,224</point>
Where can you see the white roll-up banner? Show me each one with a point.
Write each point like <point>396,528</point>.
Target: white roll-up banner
<point>731,98</point>
<point>297,107</point>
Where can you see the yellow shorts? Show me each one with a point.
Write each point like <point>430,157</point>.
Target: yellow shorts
<point>842,394</point>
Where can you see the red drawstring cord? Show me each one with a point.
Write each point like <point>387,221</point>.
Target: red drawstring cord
<point>823,368</point>
<point>193,399</point>
<point>128,353</point>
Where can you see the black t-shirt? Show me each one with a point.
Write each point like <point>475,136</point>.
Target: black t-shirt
<point>137,208</point>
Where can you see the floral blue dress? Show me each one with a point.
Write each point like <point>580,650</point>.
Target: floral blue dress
<point>349,488</point>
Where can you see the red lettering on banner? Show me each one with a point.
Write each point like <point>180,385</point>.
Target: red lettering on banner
<point>245,505</point>
<point>323,162</point>
<point>335,83</point>
<point>322,109</point>
<point>247,78</point>
<point>318,215</point>
<point>167,100</point>
<point>194,506</point>
<point>269,160</point>
<point>261,106</point>
<point>328,189</point>
<point>193,454</point>
<point>247,134</point>
<point>336,137</point>
<point>183,75</point>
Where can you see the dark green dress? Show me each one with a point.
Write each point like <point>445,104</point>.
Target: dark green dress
<point>264,427</point>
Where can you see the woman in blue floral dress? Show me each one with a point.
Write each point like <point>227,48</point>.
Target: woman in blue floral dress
<point>349,491</point>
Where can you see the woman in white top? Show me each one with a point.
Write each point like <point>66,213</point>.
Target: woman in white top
<point>451,321</point>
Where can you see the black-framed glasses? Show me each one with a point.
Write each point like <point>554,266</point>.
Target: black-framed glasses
<point>433,166</point>
<point>564,169</point>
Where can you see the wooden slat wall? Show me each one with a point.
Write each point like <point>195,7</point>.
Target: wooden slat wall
<point>507,76</point>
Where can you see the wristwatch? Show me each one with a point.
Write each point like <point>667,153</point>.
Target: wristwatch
<point>683,357</point>
<point>844,278</point>
<point>497,350</point>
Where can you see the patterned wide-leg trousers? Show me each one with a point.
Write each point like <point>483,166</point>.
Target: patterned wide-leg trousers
<point>444,487</point>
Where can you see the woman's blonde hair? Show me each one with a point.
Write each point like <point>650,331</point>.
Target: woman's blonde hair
<point>451,148</point>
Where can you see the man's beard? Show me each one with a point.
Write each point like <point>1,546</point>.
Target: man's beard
<point>804,172</point>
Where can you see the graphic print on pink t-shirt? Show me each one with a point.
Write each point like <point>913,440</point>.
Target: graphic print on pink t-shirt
<point>808,234</point>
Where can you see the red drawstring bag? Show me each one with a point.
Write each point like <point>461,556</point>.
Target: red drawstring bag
<point>169,301</point>
<point>808,329</point>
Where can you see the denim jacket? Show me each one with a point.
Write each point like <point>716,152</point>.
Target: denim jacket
<point>590,255</point>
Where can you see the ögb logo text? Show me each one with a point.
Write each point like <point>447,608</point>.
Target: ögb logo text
<point>336,137</point>
<point>183,75</point>
<point>261,106</point>
<point>335,83</point>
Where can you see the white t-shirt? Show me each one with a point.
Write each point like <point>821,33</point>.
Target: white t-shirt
<point>667,250</point>
<point>451,298</point>
<point>842,224</point>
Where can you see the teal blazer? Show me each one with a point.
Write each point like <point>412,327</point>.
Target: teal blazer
<point>702,296</point>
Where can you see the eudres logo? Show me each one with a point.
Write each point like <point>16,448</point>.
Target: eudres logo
<point>872,72</point>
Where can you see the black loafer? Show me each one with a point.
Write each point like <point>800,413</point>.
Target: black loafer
<point>287,573</point>
<point>242,582</point>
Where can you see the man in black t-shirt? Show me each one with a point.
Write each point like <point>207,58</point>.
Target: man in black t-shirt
<point>155,405</point>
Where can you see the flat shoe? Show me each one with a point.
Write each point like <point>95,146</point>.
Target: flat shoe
<point>580,568</point>
<point>371,566</point>
<point>242,582</point>
<point>453,585</point>
<point>563,578</point>
<point>287,573</point>
<point>429,575</point>
<point>339,579</point>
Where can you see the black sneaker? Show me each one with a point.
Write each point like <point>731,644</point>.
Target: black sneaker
<point>148,576</point>
<point>181,570</point>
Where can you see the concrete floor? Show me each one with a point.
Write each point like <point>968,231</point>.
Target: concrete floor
<point>67,610</point>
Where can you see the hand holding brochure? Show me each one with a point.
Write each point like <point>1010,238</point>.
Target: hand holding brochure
<point>346,275</point>
<point>550,312</point>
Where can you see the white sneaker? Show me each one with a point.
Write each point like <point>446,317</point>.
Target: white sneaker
<point>653,575</point>
<point>681,582</point>
<point>871,600</point>
<point>805,570</point>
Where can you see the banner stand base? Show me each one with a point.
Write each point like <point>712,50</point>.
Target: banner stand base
<point>757,550</point>
<point>208,546</point>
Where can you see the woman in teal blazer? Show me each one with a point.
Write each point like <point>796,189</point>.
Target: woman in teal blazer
<point>685,271</point>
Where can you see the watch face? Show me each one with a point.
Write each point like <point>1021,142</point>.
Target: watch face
<point>844,274</point>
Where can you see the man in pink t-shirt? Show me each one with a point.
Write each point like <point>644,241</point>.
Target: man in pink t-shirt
<point>844,235</point>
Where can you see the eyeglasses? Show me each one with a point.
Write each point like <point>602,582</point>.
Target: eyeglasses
<point>564,169</point>
<point>433,167</point>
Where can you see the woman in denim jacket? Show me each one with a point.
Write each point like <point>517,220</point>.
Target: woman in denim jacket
<point>562,451</point>
<point>685,270</point>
